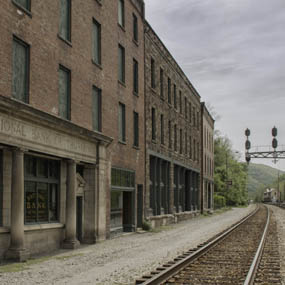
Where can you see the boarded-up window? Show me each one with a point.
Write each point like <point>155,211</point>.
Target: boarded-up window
<point>96,110</point>
<point>20,89</point>
<point>24,3</point>
<point>136,129</point>
<point>65,19</point>
<point>122,122</point>
<point>96,42</point>
<point>121,64</point>
<point>121,13</point>
<point>64,93</point>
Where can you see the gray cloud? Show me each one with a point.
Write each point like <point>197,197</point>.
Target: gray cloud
<point>234,54</point>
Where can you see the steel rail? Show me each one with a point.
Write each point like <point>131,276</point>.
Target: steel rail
<point>255,263</point>
<point>172,270</point>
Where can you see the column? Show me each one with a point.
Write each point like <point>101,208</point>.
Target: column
<point>171,192</point>
<point>17,250</point>
<point>70,241</point>
<point>103,187</point>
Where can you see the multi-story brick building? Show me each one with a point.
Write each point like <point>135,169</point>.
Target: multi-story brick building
<point>172,108</point>
<point>207,159</point>
<point>71,111</point>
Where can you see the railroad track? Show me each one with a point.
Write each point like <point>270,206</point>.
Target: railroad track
<point>230,258</point>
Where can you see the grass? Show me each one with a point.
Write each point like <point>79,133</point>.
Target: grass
<point>21,266</point>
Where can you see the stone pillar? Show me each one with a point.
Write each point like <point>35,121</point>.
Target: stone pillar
<point>171,191</point>
<point>103,172</point>
<point>17,250</point>
<point>70,241</point>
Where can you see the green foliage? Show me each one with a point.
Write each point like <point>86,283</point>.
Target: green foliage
<point>228,168</point>
<point>260,177</point>
<point>219,201</point>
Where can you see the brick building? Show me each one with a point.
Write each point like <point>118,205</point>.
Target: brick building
<point>71,111</point>
<point>172,108</point>
<point>207,159</point>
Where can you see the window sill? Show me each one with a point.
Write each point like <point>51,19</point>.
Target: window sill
<point>22,9</point>
<point>136,42</point>
<point>64,40</point>
<point>122,83</point>
<point>37,227</point>
<point>136,94</point>
<point>99,2</point>
<point>136,147</point>
<point>121,142</point>
<point>97,64</point>
<point>123,28</point>
<point>153,141</point>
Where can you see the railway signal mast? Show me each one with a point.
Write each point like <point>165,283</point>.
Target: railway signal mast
<point>275,154</point>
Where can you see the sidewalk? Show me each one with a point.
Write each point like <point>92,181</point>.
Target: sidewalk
<point>122,259</point>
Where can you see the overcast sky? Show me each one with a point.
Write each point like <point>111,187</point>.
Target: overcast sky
<point>233,52</point>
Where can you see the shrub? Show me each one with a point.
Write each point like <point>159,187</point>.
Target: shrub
<point>219,201</point>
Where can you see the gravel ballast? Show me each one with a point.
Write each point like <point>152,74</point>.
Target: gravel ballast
<point>124,259</point>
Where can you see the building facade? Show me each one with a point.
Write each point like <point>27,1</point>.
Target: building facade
<point>172,108</point>
<point>71,111</point>
<point>207,159</point>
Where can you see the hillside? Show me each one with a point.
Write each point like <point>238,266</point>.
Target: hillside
<point>259,177</point>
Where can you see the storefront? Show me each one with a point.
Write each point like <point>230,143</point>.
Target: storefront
<point>51,193</point>
<point>123,194</point>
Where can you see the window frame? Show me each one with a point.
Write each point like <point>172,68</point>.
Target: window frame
<point>169,90</point>
<point>162,129</point>
<point>66,37</point>
<point>99,102</point>
<point>27,69</point>
<point>136,129</point>
<point>161,79</point>
<point>96,24</point>
<point>135,28</point>
<point>122,120</point>
<point>27,9</point>
<point>121,50</point>
<point>135,76</point>
<point>153,124</point>
<point>68,72</point>
<point>152,73</point>
<point>121,13</point>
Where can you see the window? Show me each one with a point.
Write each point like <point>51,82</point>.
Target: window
<point>186,144</point>
<point>122,178</point>
<point>26,4</point>
<point>121,13</point>
<point>175,96</point>
<point>153,124</point>
<point>162,129</point>
<point>175,137</point>
<point>64,93</point>
<point>190,142</point>
<point>41,189</point>
<point>135,28</point>
<point>169,135</point>
<point>190,113</point>
<point>194,149</point>
<point>136,76</point>
<point>96,40</point>
<point>181,142</point>
<point>97,109</point>
<point>169,90</point>
<point>152,71</point>
<point>21,54</point>
<point>161,83</point>
<point>121,64</point>
<point>136,129</point>
<point>180,101</point>
<point>186,111</point>
<point>65,20</point>
<point>122,122</point>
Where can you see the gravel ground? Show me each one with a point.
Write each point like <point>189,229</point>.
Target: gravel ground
<point>280,217</point>
<point>126,258</point>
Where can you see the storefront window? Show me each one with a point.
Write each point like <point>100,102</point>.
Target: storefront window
<point>123,178</point>
<point>41,190</point>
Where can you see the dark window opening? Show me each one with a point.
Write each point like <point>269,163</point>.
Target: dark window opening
<point>153,124</point>
<point>64,92</point>
<point>136,129</point>
<point>122,122</point>
<point>97,109</point>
